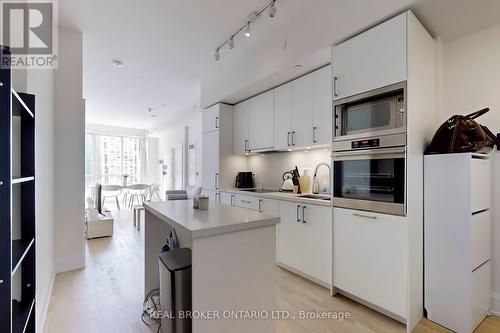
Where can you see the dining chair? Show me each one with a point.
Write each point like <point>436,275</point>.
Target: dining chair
<point>137,192</point>
<point>155,192</point>
<point>111,191</point>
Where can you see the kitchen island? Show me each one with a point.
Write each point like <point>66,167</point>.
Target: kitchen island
<point>233,261</point>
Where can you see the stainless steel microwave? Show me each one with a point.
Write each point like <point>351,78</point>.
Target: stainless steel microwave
<point>378,112</point>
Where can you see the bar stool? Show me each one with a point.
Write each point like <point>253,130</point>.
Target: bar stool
<point>137,216</point>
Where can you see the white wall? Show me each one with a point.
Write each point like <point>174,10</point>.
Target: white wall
<point>69,150</point>
<point>471,81</point>
<point>153,175</point>
<point>41,83</point>
<point>269,168</point>
<point>175,134</point>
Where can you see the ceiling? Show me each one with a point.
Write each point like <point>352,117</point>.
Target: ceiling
<point>167,47</point>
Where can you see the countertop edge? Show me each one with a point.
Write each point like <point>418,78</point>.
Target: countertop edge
<point>218,230</point>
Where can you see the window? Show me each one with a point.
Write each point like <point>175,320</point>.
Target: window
<point>109,158</point>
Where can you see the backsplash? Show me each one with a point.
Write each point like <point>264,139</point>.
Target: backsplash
<point>269,168</point>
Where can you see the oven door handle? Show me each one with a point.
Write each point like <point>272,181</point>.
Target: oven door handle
<point>397,152</point>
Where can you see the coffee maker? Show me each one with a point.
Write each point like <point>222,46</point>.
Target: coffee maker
<point>244,180</point>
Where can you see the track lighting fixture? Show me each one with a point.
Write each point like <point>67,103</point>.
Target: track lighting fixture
<point>272,9</point>
<point>245,29</point>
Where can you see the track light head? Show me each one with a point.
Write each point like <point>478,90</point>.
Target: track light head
<point>231,43</point>
<point>272,10</point>
<point>247,30</point>
<point>217,54</point>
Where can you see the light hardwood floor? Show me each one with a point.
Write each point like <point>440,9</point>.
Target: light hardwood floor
<point>107,296</point>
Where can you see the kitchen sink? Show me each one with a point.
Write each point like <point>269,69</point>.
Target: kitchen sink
<point>316,196</point>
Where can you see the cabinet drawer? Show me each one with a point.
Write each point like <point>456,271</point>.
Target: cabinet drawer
<point>480,235</point>
<point>245,201</point>
<point>481,293</point>
<point>480,184</point>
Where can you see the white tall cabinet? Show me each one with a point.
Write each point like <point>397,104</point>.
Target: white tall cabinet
<point>220,166</point>
<point>458,240</point>
<point>398,50</point>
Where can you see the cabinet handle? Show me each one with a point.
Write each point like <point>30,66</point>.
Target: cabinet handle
<point>246,144</point>
<point>288,139</point>
<point>298,218</point>
<point>293,138</point>
<point>303,214</point>
<point>232,199</point>
<point>216,122</point>
<point>365,216</point>
<point>260,205</point>
<point>335,79</point>
<point>314,134</point>
<point>216,181</point>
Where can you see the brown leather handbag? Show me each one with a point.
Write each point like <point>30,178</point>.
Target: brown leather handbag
<point>460,134</point>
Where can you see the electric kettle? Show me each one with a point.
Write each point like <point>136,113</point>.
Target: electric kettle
<point>287,182</point>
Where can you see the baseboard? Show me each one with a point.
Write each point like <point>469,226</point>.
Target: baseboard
<point>495,304</point>
<point>69,263</point>
<point>304,275</point>
<point>45,306</point>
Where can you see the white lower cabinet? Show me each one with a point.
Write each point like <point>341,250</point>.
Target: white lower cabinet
<point>317,242</point>
<point>246,201</point>
<point>290,235</point>
<point>369,257</point>
<point>212,195</point>
<point>304,241</point>
<point>227,198</point>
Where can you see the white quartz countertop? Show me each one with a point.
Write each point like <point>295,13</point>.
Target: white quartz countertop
<point>218,219</point>
<point>281,196</point>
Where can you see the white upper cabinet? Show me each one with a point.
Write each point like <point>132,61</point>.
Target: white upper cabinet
<point>253,124</point>
<point>373,59</point>
<point>211,117</point>
<point>302,106</point>
<point>322,106</point>
<point>294,115</point>
<point>261,121</point>
<point>282,116</point>
<point>240,128</point>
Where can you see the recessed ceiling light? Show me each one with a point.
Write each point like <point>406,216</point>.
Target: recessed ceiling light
<point>298,66</point>
<point>117,63</point>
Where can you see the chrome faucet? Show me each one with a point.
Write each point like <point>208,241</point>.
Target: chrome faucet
<point>315,188</point>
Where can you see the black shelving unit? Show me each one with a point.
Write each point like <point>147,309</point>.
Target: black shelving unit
<point>17,207</point>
